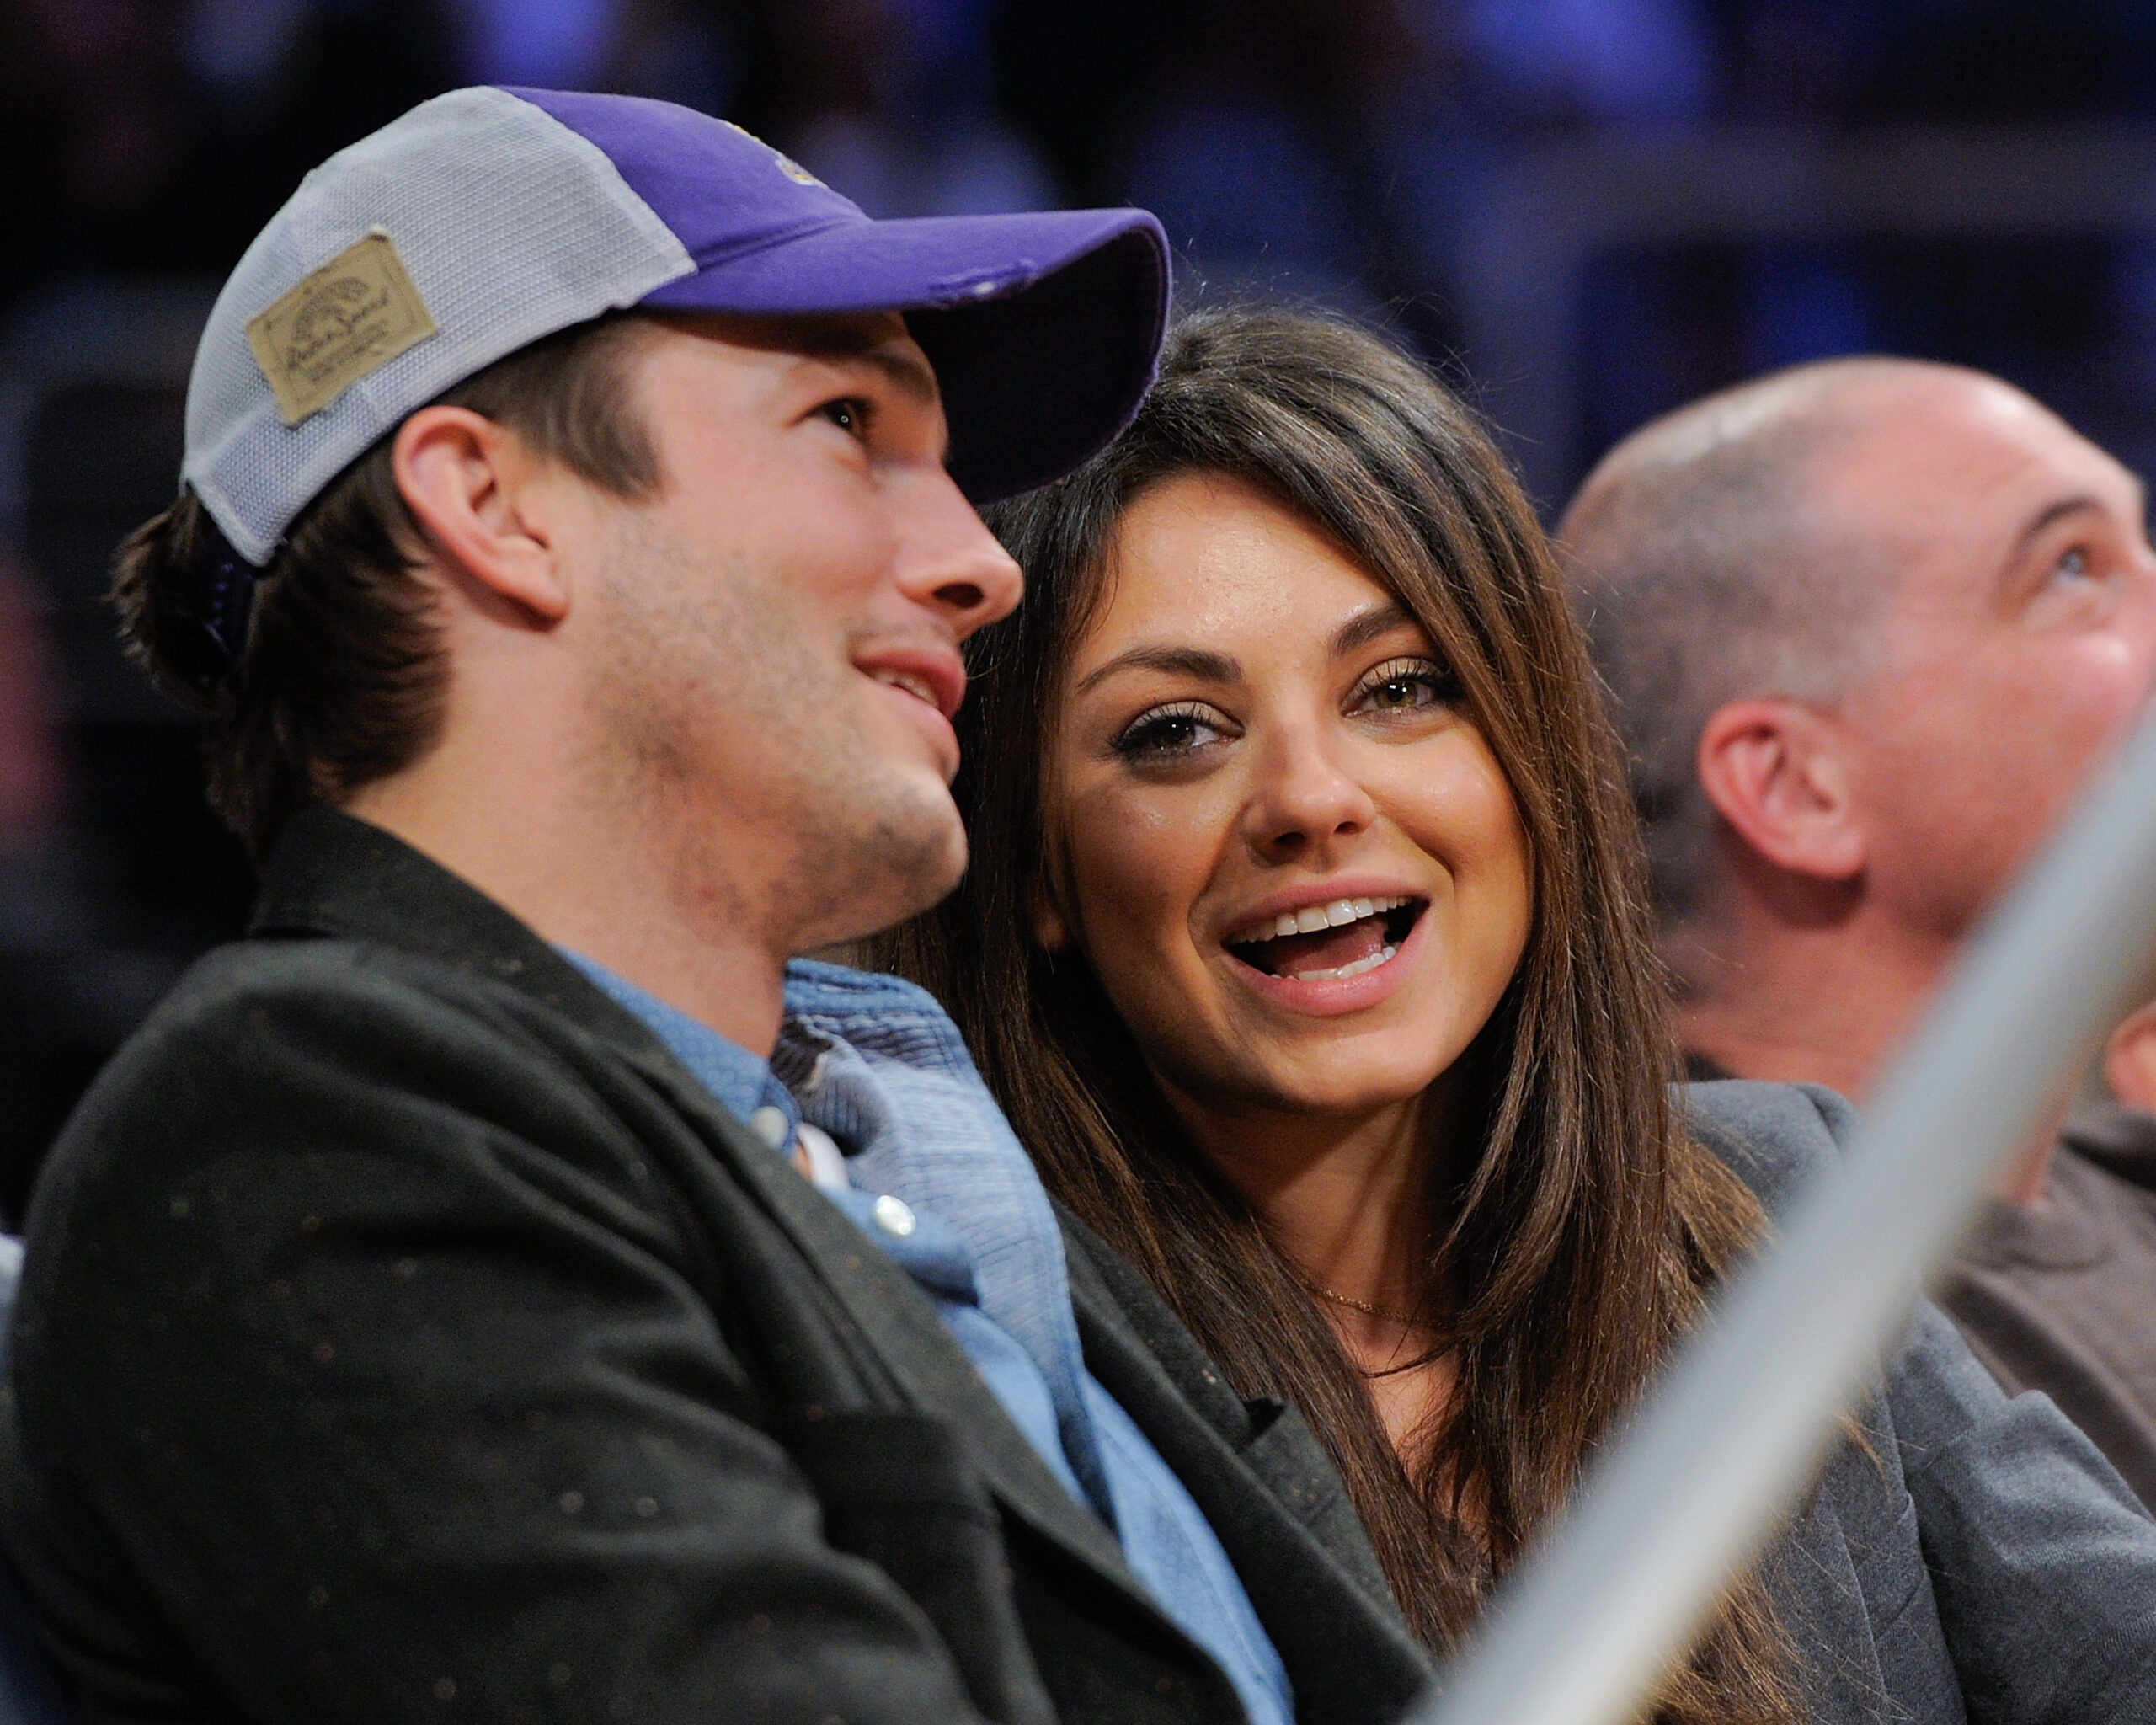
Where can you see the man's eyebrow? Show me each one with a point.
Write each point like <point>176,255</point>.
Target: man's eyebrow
<point>1361,631</point>
<point>2059,510</point>
<point>907,369</point>
<point>1176,661</point>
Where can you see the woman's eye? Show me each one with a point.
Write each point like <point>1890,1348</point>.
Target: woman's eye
<point>1167,732</point>
<point>1404,686</point>
<point>2072,565</point>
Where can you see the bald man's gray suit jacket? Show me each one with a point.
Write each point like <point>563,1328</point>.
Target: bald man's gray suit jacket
<point>1984,1561</point>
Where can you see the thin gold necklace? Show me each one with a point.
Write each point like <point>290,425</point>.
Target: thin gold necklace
<point>1405,1320</point>
<point>1364,1306</point>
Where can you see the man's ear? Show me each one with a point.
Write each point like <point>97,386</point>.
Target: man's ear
<point>1778,773</point>
<point>2130,1060</point>
<point>480,495</point>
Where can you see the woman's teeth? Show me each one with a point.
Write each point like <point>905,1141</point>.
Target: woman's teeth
<point>1313,917</point>
<point>1343,930</point>
<point>1379,956</point>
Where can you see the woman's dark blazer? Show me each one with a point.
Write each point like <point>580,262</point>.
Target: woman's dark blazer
<point>406,1336</point>
<point>1983,1561</point>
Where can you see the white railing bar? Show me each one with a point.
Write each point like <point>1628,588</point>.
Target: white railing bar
<point>1586,1628</point>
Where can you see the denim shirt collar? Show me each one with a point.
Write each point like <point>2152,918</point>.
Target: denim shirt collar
<point>737,1078</point>
<point>877,1063</point>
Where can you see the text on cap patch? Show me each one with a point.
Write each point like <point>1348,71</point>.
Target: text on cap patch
<point>353,315</point>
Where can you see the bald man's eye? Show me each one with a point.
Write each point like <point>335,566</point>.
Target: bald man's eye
<point>2072,565</point>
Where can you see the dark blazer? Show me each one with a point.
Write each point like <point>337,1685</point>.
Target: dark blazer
<point>406,1335</point>
<point>1975,1558</point>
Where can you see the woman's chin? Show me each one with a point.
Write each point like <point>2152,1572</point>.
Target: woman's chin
<point>1321,1078</point>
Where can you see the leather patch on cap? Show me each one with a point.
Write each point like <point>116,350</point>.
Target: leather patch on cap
<point>353,315</point>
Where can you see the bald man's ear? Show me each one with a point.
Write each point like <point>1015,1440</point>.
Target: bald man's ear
<point>1779,773</point>
<point>488,507</point>
<point>2130,1060</point>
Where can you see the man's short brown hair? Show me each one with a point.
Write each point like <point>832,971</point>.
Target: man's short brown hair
<point>341,679</point>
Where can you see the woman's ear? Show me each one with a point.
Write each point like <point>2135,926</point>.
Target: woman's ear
<point>1049,928</point>
<point>485,502</point>
<point>1777,772</point>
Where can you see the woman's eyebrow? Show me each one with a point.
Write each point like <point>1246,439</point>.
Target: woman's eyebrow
<point>1208,666</point>
<point>1183,661</point>
<point>1361,631</point>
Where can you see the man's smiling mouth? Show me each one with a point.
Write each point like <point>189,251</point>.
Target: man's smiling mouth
<point>1330,942</point>
<point>908,681</point>
<point>929,671</point>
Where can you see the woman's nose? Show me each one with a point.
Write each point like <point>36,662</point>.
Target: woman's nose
<point>1305,798</point>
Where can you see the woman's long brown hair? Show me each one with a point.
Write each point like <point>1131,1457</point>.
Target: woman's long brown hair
<point>1577,1233</point>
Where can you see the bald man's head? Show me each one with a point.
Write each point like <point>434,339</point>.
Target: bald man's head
<point>1766,543</point>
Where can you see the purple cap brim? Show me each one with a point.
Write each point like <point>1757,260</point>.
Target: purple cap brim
<point>1044,329</point>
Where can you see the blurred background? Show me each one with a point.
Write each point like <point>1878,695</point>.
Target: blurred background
<point>1586,211</point>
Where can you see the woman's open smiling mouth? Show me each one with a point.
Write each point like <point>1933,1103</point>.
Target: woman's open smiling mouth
<point>1333,941</point>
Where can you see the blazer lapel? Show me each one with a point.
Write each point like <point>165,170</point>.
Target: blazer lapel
<point>1272,1496</point>
<point>334,875</point>
<point>899,1324</point>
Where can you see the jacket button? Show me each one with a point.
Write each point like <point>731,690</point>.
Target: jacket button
<point>769,1124</point>
<point>892,1216</point>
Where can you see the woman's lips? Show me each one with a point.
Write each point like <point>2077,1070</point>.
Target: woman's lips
<point>1318,939</point>
<point>1324,953</point>
<point>1337,968</point>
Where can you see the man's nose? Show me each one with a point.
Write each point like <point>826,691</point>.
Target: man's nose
<point>1304,797</point>
<point>2144,622</point>
<point>952,563</point>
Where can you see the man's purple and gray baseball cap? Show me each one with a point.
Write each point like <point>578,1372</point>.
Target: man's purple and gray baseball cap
<point>488,218</point>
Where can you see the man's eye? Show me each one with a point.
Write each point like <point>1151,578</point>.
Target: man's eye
<point>849,413</point>
<point>1165,732</point>
<point>2072,565</point>
<point>1404,685</point>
